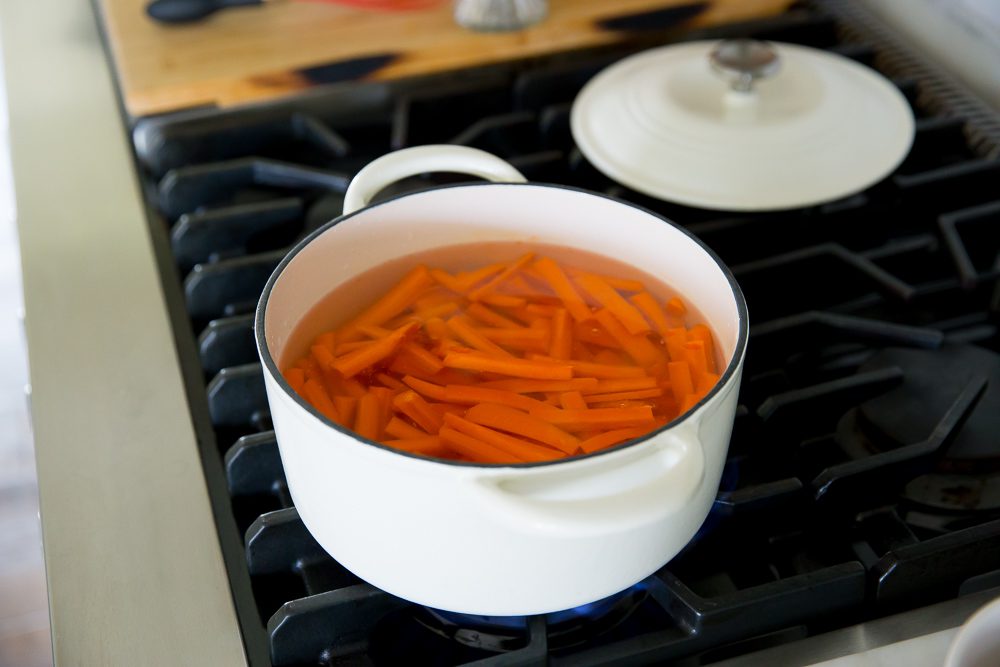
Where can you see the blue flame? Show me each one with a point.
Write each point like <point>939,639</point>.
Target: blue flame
<point>591,610</point>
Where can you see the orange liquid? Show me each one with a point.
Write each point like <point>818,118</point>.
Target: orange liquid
<point>665,366</point>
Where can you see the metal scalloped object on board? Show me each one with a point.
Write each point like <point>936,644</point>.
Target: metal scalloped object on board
<point>742,125</point>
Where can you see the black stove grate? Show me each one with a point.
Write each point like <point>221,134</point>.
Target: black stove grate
<point>827,516</point>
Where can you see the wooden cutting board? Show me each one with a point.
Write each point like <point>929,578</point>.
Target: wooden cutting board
<point>252,54</point>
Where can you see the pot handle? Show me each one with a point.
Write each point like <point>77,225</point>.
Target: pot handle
<point>608,495</point>
<point>417,160</point>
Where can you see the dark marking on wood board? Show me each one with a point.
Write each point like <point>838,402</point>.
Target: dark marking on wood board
<point>347,70</point>
<point>656,19</point>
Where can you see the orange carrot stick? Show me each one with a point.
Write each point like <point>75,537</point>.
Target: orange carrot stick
<point>624,395</point>
<point>522,338</point>
<point>429,445</point>
<point>648,306</point>
<point>608,438</point>
<point>595,417</point>
<point>503,300</point>
<point>399,429</point>
<point>704,334</point>
<point>344,348</point>
<point>421,357</point>
<point>640,348</point>
<point>388,381</point>
<point>461,327</point>
<point>694,353</point>
<point>472,278</point>
<point>394,302</point>
<point>475,450</point>
<point>418,410</point>
<point>689,402</point>
<point>572,400</point>
<point>478,293</point>
<point>522,449</point>
<point>561,344</point>
<point>366,422</point>
<point>564,289</point>
<point>324,357</point>
<point>588,369</point>
<point>525,368</point>
<point>591,332</point>
<point>607,296</point>
<point>347,407</point>
<point>541,386</point>
<point>319,399</point>
<point>296,378</point>
<point>447,280</point>
<point>354,362</point>
<point>428,389</point>
<point>705,383</point>
<point>680,380</point>
<point>622,384</point>
<point>491,317</point>
<point>514,421</point>
<point>623,284</point>
<point>466,395</point>
<point>676,307</point>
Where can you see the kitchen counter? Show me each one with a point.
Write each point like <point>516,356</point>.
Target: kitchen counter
<point>133,563</point>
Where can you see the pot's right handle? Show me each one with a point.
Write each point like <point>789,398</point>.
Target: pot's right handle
<point>417,160</point>
<point>606,497</point>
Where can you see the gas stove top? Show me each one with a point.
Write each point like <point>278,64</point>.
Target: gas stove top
<point>863,476</point>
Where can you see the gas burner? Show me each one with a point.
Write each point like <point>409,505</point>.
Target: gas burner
<point>468,637</point>
<point>965,475</point>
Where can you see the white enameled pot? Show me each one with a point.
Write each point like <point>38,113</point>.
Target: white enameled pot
<point>498,539</point>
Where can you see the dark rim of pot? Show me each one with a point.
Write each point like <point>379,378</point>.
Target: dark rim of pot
<point>272,367</point>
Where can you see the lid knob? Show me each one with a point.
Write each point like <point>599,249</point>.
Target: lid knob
<point>743,61</point>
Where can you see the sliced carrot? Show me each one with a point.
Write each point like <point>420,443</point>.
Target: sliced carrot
<point>462,328</point>
<point>581,352</point>
<point>418,410</point>
<point>491,317</point>
<point>543,309</point>
<point>590,331</point>
<point>399,429</point>
<point>421,357</point>
<point>317,396</point>
<point>572,400</point>
<point>466,395</point>
<point>541,386</point>
<point>296,378</point>
<point>705,383</point>
<point>564,289</point>
<point>637,346</point>
<point>514,421</point>
<point>428,389</point>
<point>594,417</point>
<point>394,302</point>
<point>613,302</point>
<point>327,339</point>
<point>437,330</point>
<point>676,307</point>
<point>503,300</point>
<point>704,334</point>
<point>347,407</point>
<point>608,438</point>
<point>623,284</point>
<point>680,380</point>
<point>354,362</point>
<point>429,445</point>
<point>447,280</point>
<point>614,357</point>
<point>474,449</point>
<point>441,310</point>
<point>470,279</point>
<point>625,395</point>
<point>523,449</point>
<point>689,402</point>
<point>522,338</point>
<point>344,348</point>
<point>648,306</point>
<point>384,395</point>
<point>694,353</point>
<point>390,382</point>
<point>622,384</point>
<point>525,368</point>
<point>374,332</point>
<point>366,422</point>
<point>588,369</point>
<point>323,356</point>
<point>561,344</point>
<point>478,293</point>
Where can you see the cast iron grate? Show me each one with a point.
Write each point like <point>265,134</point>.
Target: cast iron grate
<point>834,520</point>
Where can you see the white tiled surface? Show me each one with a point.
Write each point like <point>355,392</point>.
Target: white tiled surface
<point>24,619</point>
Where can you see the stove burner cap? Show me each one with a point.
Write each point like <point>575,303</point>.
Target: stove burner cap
<point>933,379</point>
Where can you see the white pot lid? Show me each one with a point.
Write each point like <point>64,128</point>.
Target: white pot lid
<point>819,128</point>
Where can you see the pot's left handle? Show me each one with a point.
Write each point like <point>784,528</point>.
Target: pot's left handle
<point>421,160</point>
